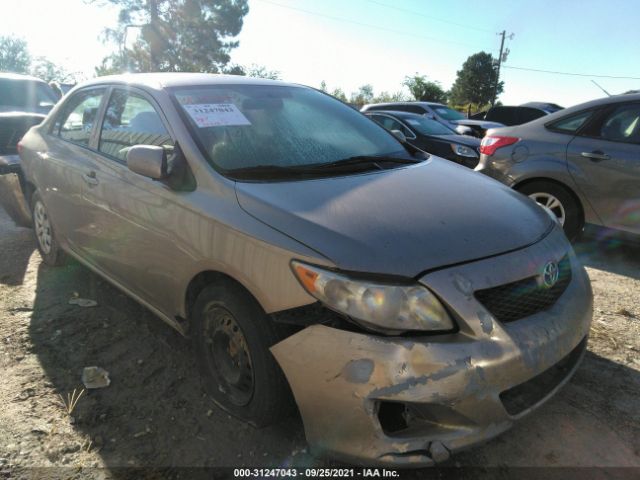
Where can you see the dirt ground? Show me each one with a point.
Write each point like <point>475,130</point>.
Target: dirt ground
<point>155,412</point>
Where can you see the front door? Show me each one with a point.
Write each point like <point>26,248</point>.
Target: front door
<point>605,162</point>
<point>133,216</point>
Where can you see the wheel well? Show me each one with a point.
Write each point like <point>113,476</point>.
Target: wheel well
<point>518,186</point>
<point>203,280</point>
<point>27,190</point>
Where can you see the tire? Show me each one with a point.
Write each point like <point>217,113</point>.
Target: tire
<point>560,201</point>
<point>48,246</point>
<point>232,336</point>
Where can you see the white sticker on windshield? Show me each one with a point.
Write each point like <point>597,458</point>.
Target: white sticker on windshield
<point>216,115</point>
<point>413,122</point>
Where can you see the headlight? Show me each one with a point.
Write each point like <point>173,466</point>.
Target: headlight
<point>463,151</point>
<point>379,306</point>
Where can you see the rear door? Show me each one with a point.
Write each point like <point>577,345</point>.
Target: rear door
<point>65,166</point>
<point>604,159</point>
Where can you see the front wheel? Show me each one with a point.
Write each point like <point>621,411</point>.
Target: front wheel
<point>45,238</point>
<point>232,337</point>
<point>560,202</point>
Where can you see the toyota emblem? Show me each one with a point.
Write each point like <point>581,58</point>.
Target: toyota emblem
<point>550,274</point>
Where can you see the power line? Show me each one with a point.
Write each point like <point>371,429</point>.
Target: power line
<point>413,12</point>
<point>570,73</point>
<point>363,24</point>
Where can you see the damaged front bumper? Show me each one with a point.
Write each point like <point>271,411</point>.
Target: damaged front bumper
<point>12,198</point>
<point>411,401</point>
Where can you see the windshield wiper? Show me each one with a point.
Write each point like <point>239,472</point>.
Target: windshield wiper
<point>356,163</point>
<point>364,160</point>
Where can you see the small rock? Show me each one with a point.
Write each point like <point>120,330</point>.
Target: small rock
<point>209,413</point>
<point>95,377</point>
<point>82,302</point>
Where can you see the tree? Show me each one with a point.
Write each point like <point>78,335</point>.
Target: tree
<point>383,97</point>
<point>425,90</point>
<point>48,71</point>
<point>14,55</point>
<point>260,71</point>
<point>476,80</point>
<point>362,96</point>
<point>175,35</point>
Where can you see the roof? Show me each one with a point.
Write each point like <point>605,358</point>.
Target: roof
<point>396,113</point>
<point>18,76</point>
<point>181,79</point>
<point>584,106</point>
<point>390,104</point>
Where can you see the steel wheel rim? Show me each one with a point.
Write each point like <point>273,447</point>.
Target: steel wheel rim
<point>43,227</point>
<point>551,203</point>
<point>228,356</point>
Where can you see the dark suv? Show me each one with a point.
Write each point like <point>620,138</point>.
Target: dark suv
<point>24,102</point>
<point>517,115</point>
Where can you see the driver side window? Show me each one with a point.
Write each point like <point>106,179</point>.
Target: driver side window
<point>623,125</point>
<point>392,124</point>
<point>130,120</point>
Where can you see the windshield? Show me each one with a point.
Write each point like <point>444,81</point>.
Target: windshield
<point>448,113</point>
<point>245,126</point>
<point>427,126</point>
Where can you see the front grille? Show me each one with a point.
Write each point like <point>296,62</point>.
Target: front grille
<point>521,397</point>
<point>520,299</point>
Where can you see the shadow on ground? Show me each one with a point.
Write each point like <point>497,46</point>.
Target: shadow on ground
<point>17,246</point>
<point>155,412</point>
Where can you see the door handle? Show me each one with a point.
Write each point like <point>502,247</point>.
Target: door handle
<point>596,156</point>
<point>90,178</point>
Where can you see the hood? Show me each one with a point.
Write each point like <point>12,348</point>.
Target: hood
<point>485,125</point>
<point>466,140</point>
<point>402,221</point>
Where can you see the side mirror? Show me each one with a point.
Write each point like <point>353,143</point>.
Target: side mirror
<point>148,161</point>
<point>399,135</point>
<point>464,130</point>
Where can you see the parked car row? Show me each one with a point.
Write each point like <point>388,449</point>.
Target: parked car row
<point>445,115</point>
<point>273,224</point>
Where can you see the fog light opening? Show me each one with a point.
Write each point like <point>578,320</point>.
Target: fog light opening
<point>392,417</point>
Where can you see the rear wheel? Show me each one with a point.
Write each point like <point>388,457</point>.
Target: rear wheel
<point>45,238</point>
<point>232,336</point>
<point>560,202</point>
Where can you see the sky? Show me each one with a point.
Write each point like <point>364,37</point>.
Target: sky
<point>349,43</point>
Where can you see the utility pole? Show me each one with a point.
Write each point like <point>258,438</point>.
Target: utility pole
<point>495,87</point>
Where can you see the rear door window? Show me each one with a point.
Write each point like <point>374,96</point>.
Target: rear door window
<point>130,119</point>
<point>75,122</point>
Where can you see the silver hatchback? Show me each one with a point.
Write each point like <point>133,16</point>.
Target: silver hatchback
<point>409,306</point>
<point>581,163</point>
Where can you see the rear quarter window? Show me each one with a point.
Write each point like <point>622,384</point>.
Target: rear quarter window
<point>572,123</point>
